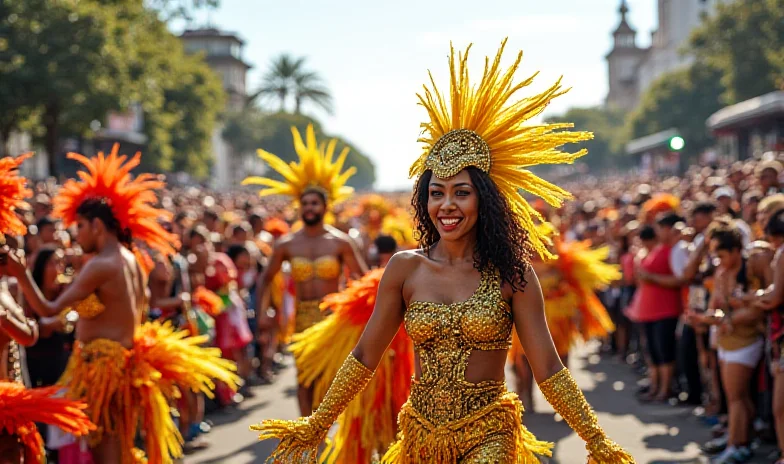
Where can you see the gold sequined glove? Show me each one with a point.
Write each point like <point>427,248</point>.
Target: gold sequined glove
<point>562,392</point>
<point>299,439</point>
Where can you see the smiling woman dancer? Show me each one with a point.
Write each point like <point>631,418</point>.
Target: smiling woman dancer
<point>477,232</point>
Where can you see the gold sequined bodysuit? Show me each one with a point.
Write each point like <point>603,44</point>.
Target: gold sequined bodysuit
<point>90,307</point>
<point>303,269</point>
<point>448,419</point>
<point>325,268</point>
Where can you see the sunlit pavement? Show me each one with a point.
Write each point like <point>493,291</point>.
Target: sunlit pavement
<point>654,434</point>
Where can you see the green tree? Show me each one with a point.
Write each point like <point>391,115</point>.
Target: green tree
<point>65,60</point>
<point>245,130</point>
<point>683,100</point>
<point>744,40</point>
<point>606,148</point>
<point>65,64</point>
<point>288,77</point>
<point>181,99</point>
<point>180,9</point>
<point>251,129</point>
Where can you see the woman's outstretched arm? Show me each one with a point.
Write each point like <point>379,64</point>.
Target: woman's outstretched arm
<point>555,381</point>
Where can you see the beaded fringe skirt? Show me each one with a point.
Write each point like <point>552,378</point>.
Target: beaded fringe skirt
<point>420,441</point>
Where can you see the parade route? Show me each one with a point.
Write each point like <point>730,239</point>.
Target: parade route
<point>654,434</point>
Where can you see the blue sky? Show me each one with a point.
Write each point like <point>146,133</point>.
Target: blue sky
<point>374,56</point>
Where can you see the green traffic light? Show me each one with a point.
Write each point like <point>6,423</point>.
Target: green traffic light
<point>677,143</point>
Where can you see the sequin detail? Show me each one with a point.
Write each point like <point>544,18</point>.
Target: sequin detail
<point>562,392</point>
<point>475,438</point>
<point>101,374</point>
<point>299,439</point>
<point>457,150</point>
<point>444,337</point>
<point>448,419</point>
<point>324,268</point>
<point>90,307</point>
<point>308,314</point>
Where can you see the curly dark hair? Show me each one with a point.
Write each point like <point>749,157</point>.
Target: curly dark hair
<point>98,208</point>
<point>502,242</point>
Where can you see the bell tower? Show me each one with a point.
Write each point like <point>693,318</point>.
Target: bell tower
<point>623,63</point>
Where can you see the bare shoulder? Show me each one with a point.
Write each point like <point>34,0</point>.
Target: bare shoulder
<point>336,233</point>
<point>101,264</point>
<point>286,239</point>
<point>530,280</point>
<point>339,236</point>
<point>403,264</point>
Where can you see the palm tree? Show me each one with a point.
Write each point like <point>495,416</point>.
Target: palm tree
<point>277,81</point>
<point>309,86</point>
<point>287,77</point>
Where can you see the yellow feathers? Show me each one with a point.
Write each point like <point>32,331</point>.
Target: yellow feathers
<point>315,169</point>
<point>489,111</point>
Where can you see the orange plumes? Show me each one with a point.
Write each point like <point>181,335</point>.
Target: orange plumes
<point>13,191</point>
<point>277,227</point>
<point>369,421</point>
<point>145,261</point>
<point>585,270</point>
<point>660,203</point>
<point>21,408</point>
<point>132,200</point>
<point>208,301</point>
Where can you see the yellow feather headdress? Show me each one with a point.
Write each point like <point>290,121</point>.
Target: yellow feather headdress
<point>315,169</point>
<point>482,126</point>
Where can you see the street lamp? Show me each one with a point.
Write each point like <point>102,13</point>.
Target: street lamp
<point>677,143</point>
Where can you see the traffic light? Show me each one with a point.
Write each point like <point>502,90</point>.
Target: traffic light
<point>677,143</point>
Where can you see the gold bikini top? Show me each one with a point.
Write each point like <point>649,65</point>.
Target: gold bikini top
<point>90,307</point>
<point>324,268</point>
<point>444,337</point>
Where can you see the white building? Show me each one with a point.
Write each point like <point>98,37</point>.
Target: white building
<point>223,53</point>
<point>633,69</point>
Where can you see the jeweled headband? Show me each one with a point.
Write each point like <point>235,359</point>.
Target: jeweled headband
<point>482,126</point>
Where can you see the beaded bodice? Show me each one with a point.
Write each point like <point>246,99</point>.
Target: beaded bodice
<point>444,337</point>
<point>90,307</point>
<point>325,268</point>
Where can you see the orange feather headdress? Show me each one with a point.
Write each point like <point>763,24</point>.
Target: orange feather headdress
<point>660,203</point>
<point>132,200</point>
<point>13,191</point>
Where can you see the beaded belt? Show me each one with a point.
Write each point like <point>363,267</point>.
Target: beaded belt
<point>447,401</point>
<point>308,314</point>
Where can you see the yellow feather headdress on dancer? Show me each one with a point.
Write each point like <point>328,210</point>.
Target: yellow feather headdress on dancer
<point>585,270</point>
<point>484,126</point>
<point>316,169</point>
<point>400,226</point>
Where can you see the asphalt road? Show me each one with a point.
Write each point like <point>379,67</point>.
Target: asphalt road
<point>654,434</point>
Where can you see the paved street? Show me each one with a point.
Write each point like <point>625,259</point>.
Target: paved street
<point>653,434</point>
